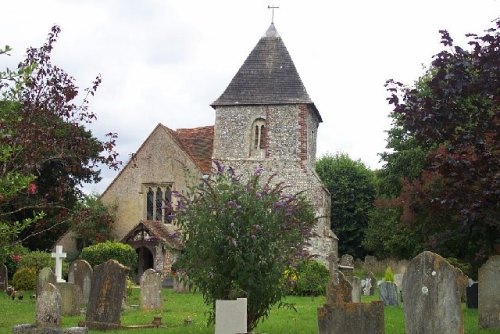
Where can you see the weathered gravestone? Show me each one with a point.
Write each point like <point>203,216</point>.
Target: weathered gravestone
<point>431,294</point>
<point>48,307</point>
<point>231,316</point>
<point>70,298</point>
<point>389,293</point>
<point>489,293</point>
<point>398,280</point>
<point>46,275</point>
<point>180,283</point>
<point>80,273</point>
<point>472,295</point>
<point>106,296</point>
<point>346,266</point>
<point>356,289</point>
<point>4,278</point>
<point>340,316</point>
<point>366,285</point>
<point>151,290</point>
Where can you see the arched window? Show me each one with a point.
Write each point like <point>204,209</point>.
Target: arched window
<point>149,204</point>
<point>159,204</point>
<point>168,205</point>
<point>258,142</point>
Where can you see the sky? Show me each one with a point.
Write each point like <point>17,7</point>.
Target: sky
<point>166,61</point>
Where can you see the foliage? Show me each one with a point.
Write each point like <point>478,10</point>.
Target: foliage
<point>452,113</point>
<point>465,267</point>
<point>104,251</point>
<point>46,145</point>
<point>36,260</point>
<point>92,220</point>
<point>310,279</point>
<point>352,189</point>
<point>24,279</point>
<point>239,237</point>
<point>389,275</point>
<point>12,260</point>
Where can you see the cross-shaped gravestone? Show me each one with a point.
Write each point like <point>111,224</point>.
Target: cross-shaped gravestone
<point>59,256</point>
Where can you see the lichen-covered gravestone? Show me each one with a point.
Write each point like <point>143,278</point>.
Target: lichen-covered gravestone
<point>80,273</point>
<point>70,298</point>
<point>389,293</point>
<point>48,307</point>
<point>46,275</point>
<point>4,283</point>
<point>489,293</point>
<point>346,266</point>
<point>106,296</point>
<point>432,298</point>
<point>151,290</point>
<point>356,289</point>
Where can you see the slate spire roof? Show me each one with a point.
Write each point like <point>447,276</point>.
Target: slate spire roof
<point>268,76</point>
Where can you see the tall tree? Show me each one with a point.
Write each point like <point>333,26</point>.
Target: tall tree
<point>45,120</point>
<point>352,189</point>
<point>454,114</point>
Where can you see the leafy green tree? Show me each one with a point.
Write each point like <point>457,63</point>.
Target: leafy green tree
<point>454,115</point>
<point>43,122</point>
<point>352,189</point>
<point>240,237</point>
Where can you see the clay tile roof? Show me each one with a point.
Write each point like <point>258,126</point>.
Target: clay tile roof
<point>268,76</point>
<point>166,233</point>
<point>199,144</point>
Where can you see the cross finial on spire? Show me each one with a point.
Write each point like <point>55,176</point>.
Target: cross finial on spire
<point>272,8</point>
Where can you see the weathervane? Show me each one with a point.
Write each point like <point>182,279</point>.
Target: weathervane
<point>272,8</point>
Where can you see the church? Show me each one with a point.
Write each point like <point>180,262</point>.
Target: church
<point>264,117</point>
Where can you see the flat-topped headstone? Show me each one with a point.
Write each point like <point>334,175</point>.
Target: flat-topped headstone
<point>489,293</point>
<point>80,273</point>
<point>431,294</point>
<point>151,290</point>
<point>472,295</point>
<point>45,275</point>
<point>59,255</point>
<point>231,316</point>
<point>70,298</point>
<point>4,277</point>
<point>106,296</point>
<point>389,293</point>
<point>48,307</point>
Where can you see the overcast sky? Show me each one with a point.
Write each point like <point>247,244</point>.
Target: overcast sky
<point>167,60</point>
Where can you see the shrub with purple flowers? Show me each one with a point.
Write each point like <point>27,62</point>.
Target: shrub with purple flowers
<point>240,234</point>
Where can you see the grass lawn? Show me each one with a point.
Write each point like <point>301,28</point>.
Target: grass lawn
<point>180,307</point>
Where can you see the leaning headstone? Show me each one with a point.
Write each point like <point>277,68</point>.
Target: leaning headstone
<point>80,273</point>
<point>46,275</point>
<point>151,290</point>
<point>389,293</point>
<point>231,316</point>
<point>356,289</point>
<point>472,295</point>
<point>489,293</point>
<point>105,300</point>
<point>70,298</point>
<point>431,294</point>
<point>4,278</point>
<point>48,307</point>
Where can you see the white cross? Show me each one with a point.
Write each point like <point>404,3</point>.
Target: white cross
<point>59,255</point>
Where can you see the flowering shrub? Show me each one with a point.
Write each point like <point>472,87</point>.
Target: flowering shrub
<point>240,236</point>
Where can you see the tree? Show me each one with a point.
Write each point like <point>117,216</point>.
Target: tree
<point>454,114</point>
<point>351,185</point>
<point>45,120</point>
<point>240,237</point>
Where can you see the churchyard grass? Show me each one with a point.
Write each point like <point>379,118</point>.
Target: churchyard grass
<point>299,317</point>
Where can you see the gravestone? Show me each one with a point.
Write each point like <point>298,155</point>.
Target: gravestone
<point>366,285</point>
<point>106,296</point>
<point>46,275</point>
<point>356,289</point>
<point>70,298</point>
<point>346,266</point>
<point>4,277</point>
<point>231,316</point>
<point>59,255</point>
<point>389,293</point>
<point>472,295</point>
<point>151,290</point>
<point>374,283</point>
<point>80,273</point>
<point>48,307</point>
<point>398,280</point>
<point>431,294</point>
<point>179,283</point>
<point>489,293</point>
<point>370,260</point>
<point>340,316</point>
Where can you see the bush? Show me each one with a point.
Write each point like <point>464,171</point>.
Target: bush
<point>389,275</point>
<point>36,260</point>
<point>104,251</point>
<point>24,279</point>
<point>311,278</point>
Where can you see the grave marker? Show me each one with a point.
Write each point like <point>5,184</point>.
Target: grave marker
<point>489,293</point>
<point>80,273</point>
<point>231,316</point>
<point>151,290</point>
<point>59,256</point>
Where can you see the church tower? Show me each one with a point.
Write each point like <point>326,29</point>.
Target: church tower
<point>266,117</point>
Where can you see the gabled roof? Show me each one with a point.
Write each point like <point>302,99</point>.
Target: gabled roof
<point>268,76</point>
<point>199,142</point>
<point>155,230</point>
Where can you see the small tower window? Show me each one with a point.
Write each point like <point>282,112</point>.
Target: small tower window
<point>258,142</point>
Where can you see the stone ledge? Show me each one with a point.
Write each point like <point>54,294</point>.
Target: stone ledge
<point>33,329</point>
